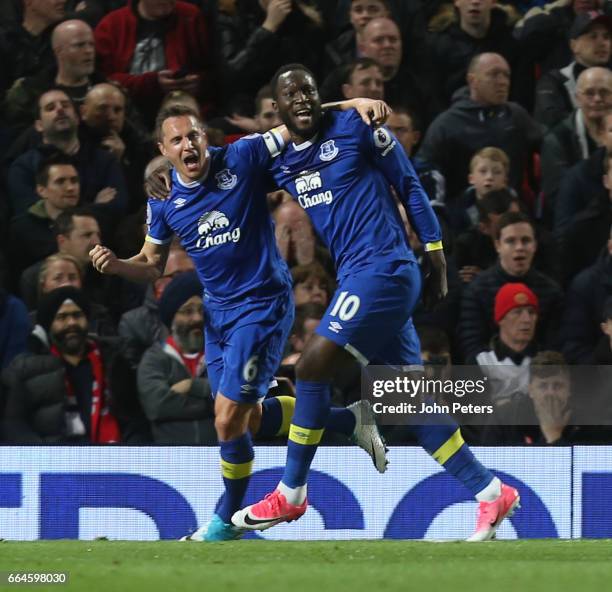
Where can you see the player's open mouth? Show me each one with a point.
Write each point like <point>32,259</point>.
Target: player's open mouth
<point>191,162</point>
<point>303,115</point>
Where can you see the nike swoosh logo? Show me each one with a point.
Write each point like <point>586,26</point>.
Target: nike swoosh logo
<point>254,522</point>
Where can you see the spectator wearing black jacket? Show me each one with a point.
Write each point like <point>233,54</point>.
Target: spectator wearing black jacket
<point>141,327</point>
<point>172,381</point>
<point>577,136</point>
<point>343,49</point>
<point>588,191</point>
<point>73,73</point>
<point>255,38</point>
<point>107,123</point>
<point>25,47</point>
<point>591,45</point>
<point>482,117</point>
<point>382,41</point>
<point>70,387</point>
<point>101,179</point>
<point>542,32</point>
<point>31,235</point>
<point>516,246</point>
<point>461,33</point>
<point>586,298</point>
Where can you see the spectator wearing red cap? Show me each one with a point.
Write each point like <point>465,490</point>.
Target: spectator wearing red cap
<point>516,245</point>
<point>506,363</point>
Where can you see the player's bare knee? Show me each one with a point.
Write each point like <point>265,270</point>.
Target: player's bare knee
<point>314,368</point>
<point>229,427</point>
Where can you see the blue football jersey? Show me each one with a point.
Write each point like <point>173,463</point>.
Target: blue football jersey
<point>342,179</point>
<point>223,223</point>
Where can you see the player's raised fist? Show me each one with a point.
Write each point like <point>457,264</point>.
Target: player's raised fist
<point>103,259</point>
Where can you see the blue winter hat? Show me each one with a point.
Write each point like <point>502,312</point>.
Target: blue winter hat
<point>183,287</point>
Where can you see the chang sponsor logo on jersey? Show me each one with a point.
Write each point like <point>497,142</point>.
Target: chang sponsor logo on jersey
<point>308,182</point>
<point>210,227</point>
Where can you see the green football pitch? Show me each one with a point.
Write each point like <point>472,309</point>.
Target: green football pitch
<point>266,566</point>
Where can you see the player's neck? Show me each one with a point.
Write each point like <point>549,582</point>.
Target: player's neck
<point>190,182</point>
<point>298,140</point>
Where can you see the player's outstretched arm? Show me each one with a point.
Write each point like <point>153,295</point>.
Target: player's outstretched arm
<point>371,111</point>
<point>147,266</point>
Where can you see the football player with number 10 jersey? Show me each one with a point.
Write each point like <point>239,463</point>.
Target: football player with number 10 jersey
<point>341,172</point>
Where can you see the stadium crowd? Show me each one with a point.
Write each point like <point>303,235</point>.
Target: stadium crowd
<point>504,108</point>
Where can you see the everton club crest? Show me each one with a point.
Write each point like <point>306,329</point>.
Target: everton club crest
<point>226,179</point>
<point>329,150</point>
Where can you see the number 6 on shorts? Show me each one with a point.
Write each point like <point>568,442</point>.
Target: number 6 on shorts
<point>250,370</point>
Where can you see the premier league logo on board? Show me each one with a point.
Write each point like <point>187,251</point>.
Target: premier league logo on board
<point>329,150</point>
<point>226,179</point>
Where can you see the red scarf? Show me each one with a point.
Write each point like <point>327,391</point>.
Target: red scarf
<point>104,426</point>
<point>193,362</point>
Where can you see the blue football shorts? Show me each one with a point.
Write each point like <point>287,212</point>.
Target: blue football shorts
<point>244,346</point>
<point>370,316</point>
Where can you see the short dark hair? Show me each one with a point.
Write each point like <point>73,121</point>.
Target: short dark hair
<point>548,363</point>
<point>494,202</point>
<point>311,310</point>
<point>265,92</point>
<point>510,218</point>
<point>64,223</point>
<point>172,111</point>
<point>358,64</point>
<point>55,159</point>
<point>53,89</point>
<point>283,70</point>
<point>400,108</point>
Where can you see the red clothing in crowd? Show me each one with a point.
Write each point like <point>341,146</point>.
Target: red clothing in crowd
<point>186,46</point>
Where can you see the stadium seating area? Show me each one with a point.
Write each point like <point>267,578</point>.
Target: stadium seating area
<point>505,109</point>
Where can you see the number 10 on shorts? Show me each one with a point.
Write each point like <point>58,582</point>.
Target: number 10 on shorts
<point>346,306</point>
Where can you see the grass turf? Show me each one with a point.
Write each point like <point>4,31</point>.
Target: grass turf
<point>356,566</point>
